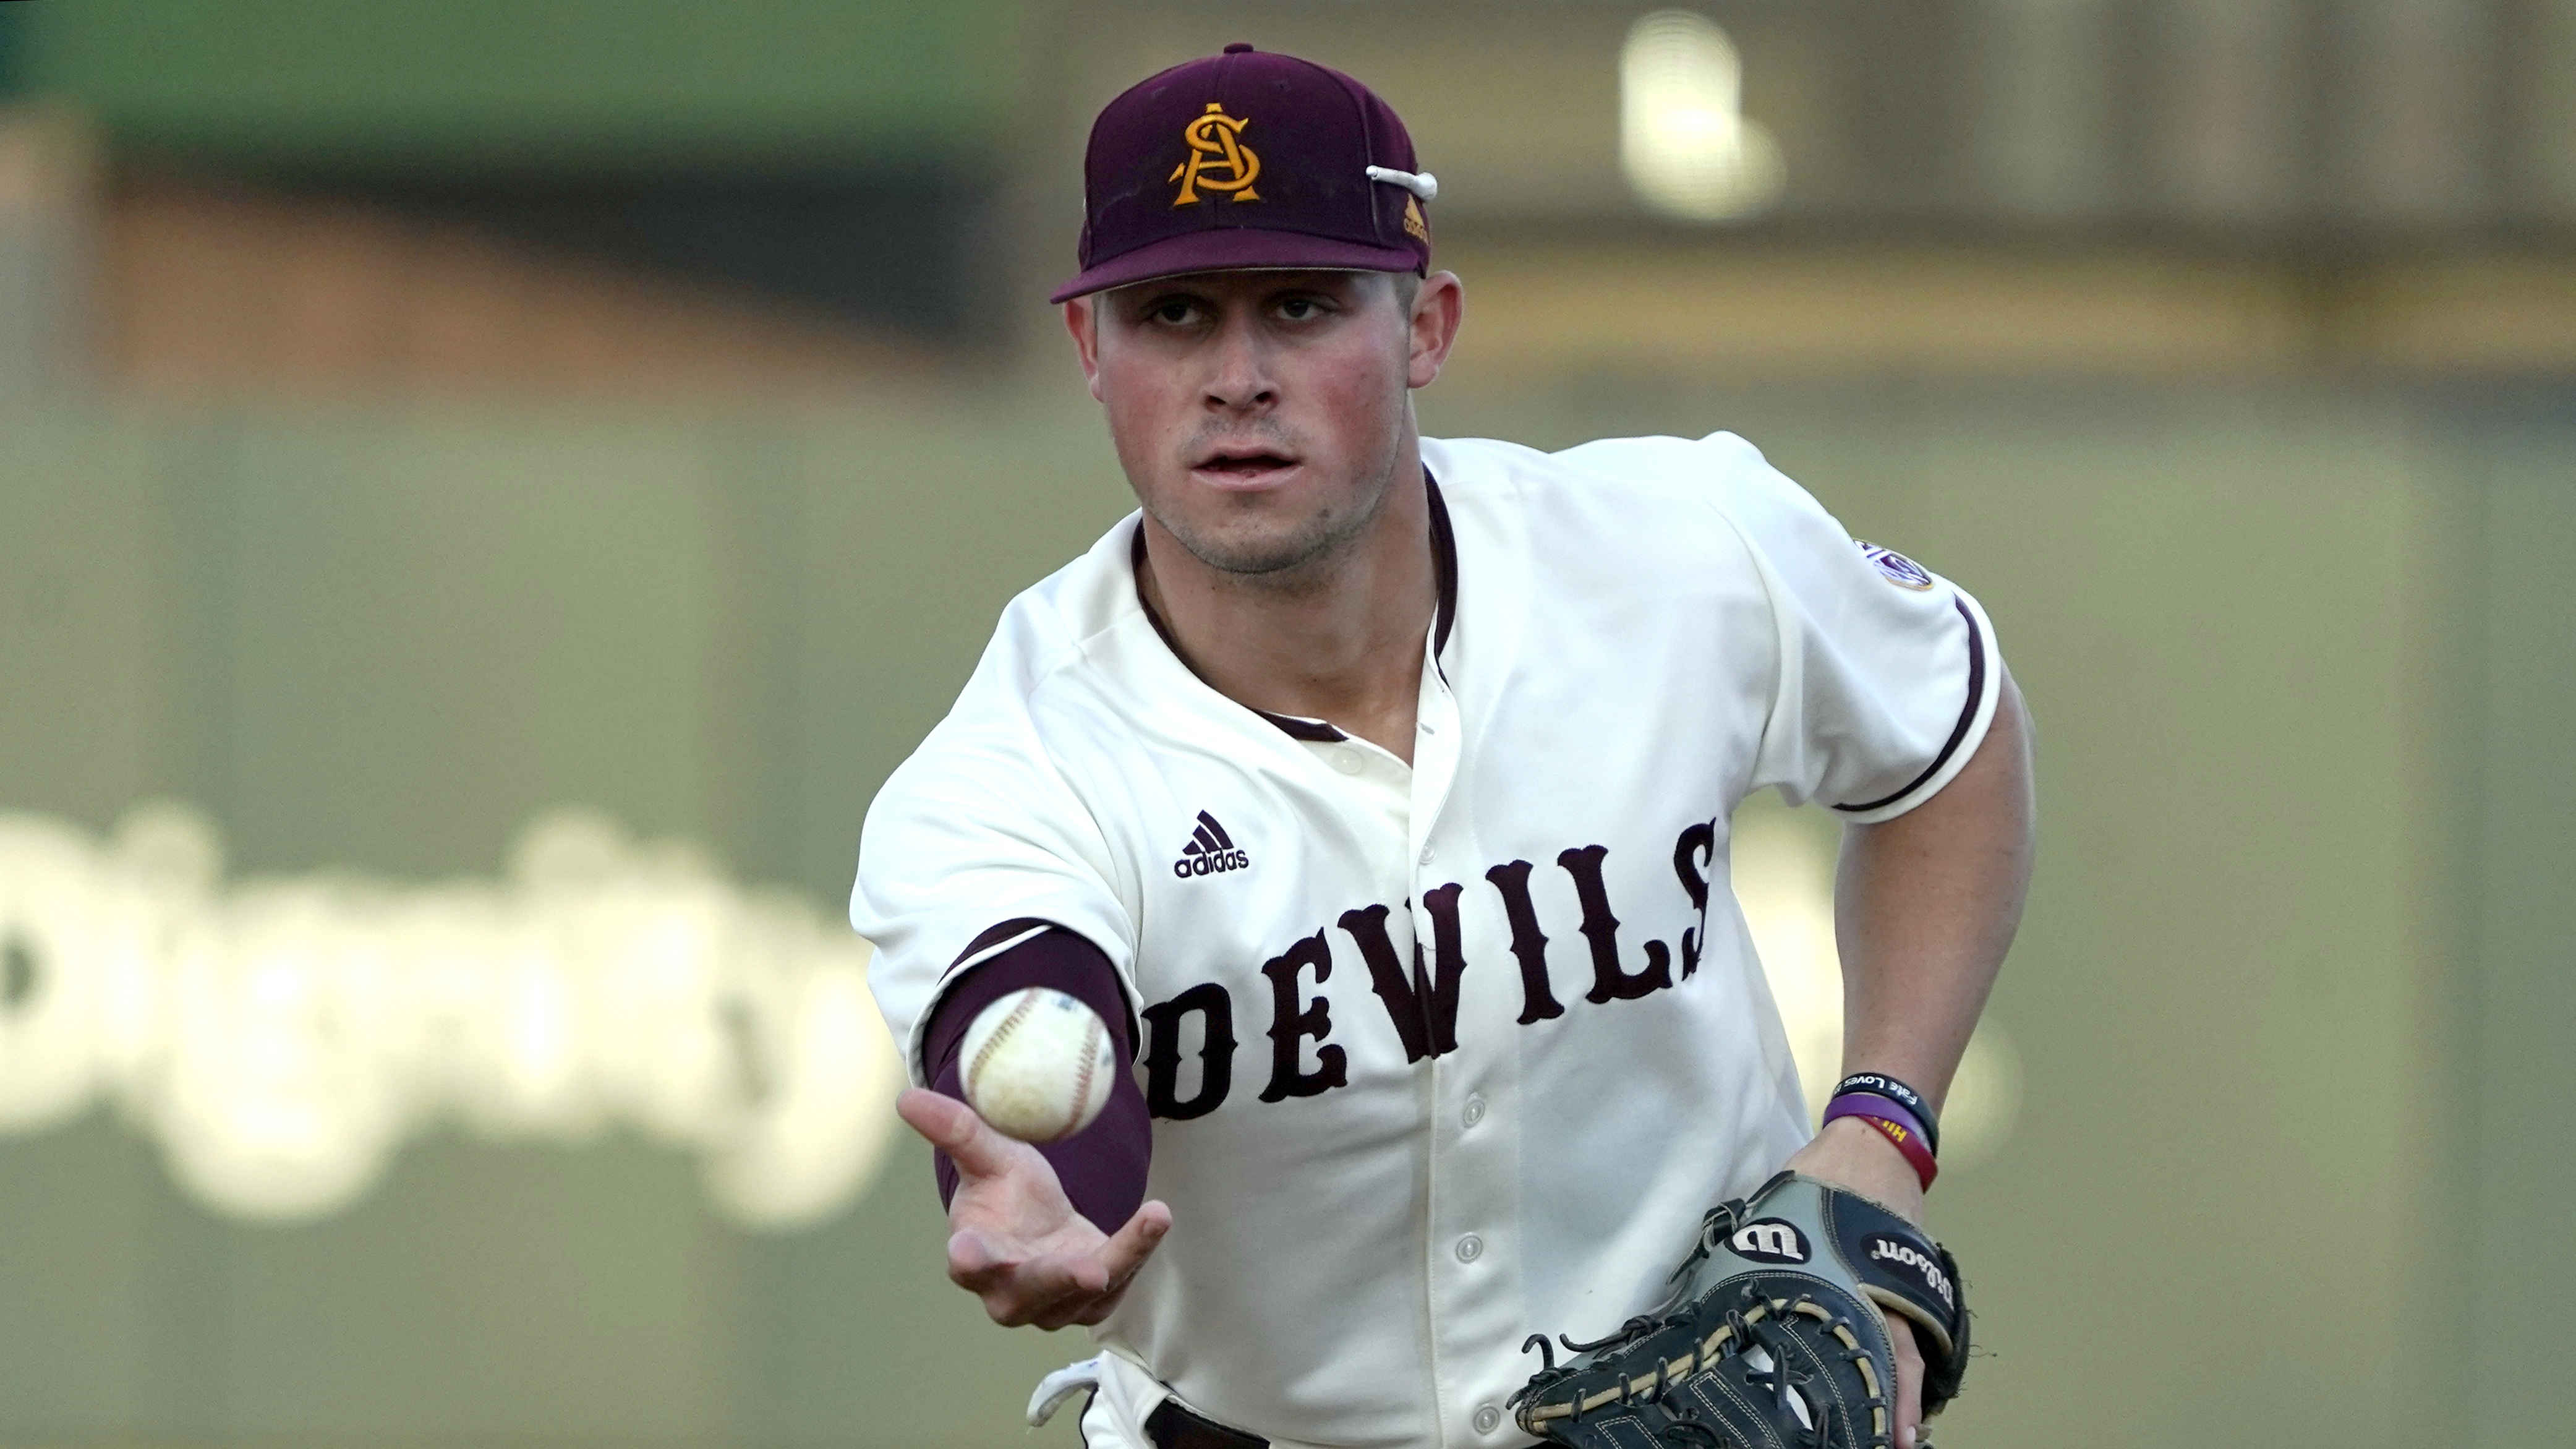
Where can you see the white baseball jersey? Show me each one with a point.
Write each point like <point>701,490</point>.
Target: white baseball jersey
<point>1440,1055</point>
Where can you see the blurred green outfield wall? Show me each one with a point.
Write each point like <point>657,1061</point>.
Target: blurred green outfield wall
<point>2300,659</point>
<point>2515,1017</point>
<point>608,82</point>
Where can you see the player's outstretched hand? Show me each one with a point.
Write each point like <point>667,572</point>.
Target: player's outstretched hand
<point>1014,1239</point>
<point>1851,1154</point>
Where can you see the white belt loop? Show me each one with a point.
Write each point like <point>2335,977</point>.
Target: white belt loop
<point>1063,1384</point>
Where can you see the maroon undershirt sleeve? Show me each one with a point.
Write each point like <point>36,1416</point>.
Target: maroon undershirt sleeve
<point>1103,1165</point>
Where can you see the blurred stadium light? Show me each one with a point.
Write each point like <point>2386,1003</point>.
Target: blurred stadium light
<point>1683,137</point>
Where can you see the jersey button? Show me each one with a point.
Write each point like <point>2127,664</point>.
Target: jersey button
<point>1475,1112</point>
<point>1426,855</point>
<point>1488,1419</point>
<point>1347,761</point>
<point>1470,1248</point>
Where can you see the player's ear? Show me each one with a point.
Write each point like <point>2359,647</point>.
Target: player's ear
<point>1438,307</point>
<point>1083,322</point>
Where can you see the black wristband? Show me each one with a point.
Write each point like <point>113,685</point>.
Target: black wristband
<point>1876,1084</point>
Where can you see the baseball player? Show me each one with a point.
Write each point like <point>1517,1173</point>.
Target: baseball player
<point>1375,790</point>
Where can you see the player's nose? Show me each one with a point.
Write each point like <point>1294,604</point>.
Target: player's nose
<point>1239,378</point>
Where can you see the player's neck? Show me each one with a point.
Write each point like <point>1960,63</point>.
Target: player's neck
<point>1342,644</point>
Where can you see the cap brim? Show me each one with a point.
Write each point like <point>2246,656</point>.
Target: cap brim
<point>1234,248</point>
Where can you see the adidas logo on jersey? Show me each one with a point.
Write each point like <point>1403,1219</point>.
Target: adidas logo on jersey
<point>1210,851</point>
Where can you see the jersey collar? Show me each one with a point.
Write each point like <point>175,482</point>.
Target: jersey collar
<point>1444,571</point>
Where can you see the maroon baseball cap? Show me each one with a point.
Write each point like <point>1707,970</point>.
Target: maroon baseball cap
<point>1249,159</point>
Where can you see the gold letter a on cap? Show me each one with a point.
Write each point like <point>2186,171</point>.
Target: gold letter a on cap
<point>1218,160</point>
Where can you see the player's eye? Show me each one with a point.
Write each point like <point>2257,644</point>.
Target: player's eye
<point>1172,311</point>
<point>1301,309</point>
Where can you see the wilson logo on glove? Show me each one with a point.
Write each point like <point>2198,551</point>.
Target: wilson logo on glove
<point>1770,1241</point>
<point>1772,1334</point>
<point>1906,1256</point>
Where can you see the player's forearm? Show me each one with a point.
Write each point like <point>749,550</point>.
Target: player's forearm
<point>1103,1167</point>
<point>1926,906</point>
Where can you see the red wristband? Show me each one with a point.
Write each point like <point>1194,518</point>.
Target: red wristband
<point>1912,1146</point>
<point>1905,1135</point>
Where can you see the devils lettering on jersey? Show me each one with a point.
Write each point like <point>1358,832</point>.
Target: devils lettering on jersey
<point>1699,843</point>
<point>1422,1006</point>
<point>1529,943</point>
<point>1425,1013</point>
<point>1291,1025</point>
<point>1208,1001</point>
<point>1448,964</point>
<point>1609,982</point>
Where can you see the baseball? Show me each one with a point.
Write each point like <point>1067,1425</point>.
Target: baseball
<point>1038,1065</point>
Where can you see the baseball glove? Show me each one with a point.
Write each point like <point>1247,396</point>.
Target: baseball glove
<point>1771,1337</point>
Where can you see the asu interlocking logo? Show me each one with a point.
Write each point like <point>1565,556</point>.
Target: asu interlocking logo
<point>1218,160</point>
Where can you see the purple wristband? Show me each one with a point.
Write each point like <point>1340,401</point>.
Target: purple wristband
<point>1869,1104</point>
<point>1892,1121</point>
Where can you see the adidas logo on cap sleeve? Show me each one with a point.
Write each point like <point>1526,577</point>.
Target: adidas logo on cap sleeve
<point>1209,852</point>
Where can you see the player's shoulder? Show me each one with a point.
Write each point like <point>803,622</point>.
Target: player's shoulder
<point>1052,629</point>
<point>1039,665</point>
<point>1634,484</point>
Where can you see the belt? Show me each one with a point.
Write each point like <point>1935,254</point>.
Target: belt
<point>1172,1427</point>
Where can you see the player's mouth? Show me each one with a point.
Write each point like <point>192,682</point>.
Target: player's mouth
<point>1243,468</point>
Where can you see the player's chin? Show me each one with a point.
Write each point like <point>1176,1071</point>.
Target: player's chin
<point>1258,553</point>
<point>1252,534</point>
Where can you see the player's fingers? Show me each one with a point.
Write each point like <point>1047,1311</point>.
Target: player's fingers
<point>1909,1381</point>
<point>1085,1309</point>
<point>1012,1284</point>
<point>1094,1294</point>
<point>1100,1279</point>
<point>953,1128</point>
<point>1043,1291</point>
<point>975,1263</point>
<point>1134,1242</point>
<point>1058,1292</point>
<point>938,1117</point>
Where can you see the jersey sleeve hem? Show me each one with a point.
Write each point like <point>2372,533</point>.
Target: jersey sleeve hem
<point>992,942</point>
<point>1985,677</point>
